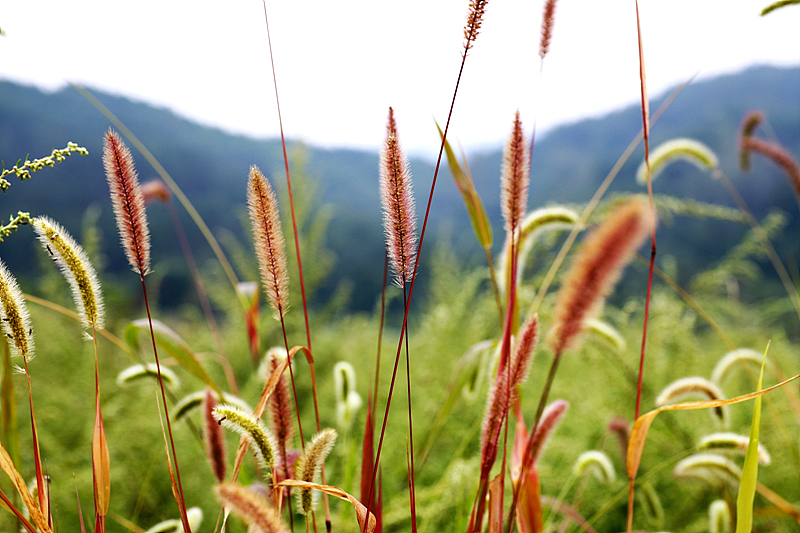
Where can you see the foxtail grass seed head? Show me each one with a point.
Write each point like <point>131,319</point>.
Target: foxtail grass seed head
<point>15,317</point>
<point>515,177</point>
<point>477,8</point>
<point>607,333</point>
<point>548,18</point>
<point>280,404</point>
<point>308,465</point>
<point>128,201</point>
<point>269,243</point>
<point>213,437</point>
<point>710,467</point>
<point>779,156</point>
<point>397,199</point>
<point>688,150</point>
<point>76,268</point>
<point>348,400</point>
<point>695,386</point>
<point>726,441</point>
<point>596,269</point>
<point>156,191</point>
<point>598,464</point>
<point>193,401</point>
<point>719,517</point>
<point>254,510</point>
<point>552,416</point>
<point>733,360</point>
<point>260,438</point>
<point>749,125</point>
<point>148,370</point>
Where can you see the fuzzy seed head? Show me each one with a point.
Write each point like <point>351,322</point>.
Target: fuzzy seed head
<point>688,150</point>
<point>692,387</point>
<point>269,243</point>
<point>548,18</point>
<point>156,191</point>
<point>128,201</point>
<point>778,155</point>
<point>308,465</point>
<point>515,177</point>
<point>596,269</point>
<point>16,319</point>
<point>709,467</point>
<point>261,440</point>
<point>598,464</point>
<point>256,512</point>
<point>397,200</point>
<point>280,406</point>
<point>477,8</point>
<point>76,268</point>
<point>726,441</point>
<point>213,438</point>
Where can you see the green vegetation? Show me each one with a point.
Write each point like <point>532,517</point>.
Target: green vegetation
<point>490,355</point>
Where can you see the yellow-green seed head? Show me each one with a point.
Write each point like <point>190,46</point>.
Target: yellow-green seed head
<point>262,442</point>
<point>76,268</point>
<point>15,317</point>
<point>688,150</point>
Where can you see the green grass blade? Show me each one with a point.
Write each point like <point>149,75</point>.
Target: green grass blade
<point>473,203</point>
<point>747,487</point>
<point>173,344</point>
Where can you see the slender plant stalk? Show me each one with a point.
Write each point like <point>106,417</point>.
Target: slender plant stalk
<point>471,33</point>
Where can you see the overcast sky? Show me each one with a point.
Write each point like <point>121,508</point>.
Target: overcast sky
<point>340,65</point>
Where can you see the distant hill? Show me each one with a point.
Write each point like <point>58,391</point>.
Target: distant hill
<point>211,166</point>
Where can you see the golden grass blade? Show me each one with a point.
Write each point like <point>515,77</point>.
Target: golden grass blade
<point>642,424</point>
<point>22,488</point>
<point>495,522</point>
<point>101,468</point>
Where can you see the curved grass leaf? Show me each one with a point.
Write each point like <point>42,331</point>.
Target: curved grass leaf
<point>171,343</point>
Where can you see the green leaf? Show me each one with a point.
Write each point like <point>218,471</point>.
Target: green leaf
<point>747,487</point>
<point>473,203</point>
<point>172,344</point>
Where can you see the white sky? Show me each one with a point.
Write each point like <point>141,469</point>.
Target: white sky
<point>341,64</point>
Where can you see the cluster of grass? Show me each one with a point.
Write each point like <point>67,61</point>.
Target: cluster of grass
<point>453,414</point>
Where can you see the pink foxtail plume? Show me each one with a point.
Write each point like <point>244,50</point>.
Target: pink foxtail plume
<point>128,201</point>
<point>515,177</point>
<point>269,243</point>
<point>399,218</point>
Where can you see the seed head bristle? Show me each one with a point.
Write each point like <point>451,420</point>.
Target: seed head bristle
<point>399,217</point>
<point>261,440</point>
<point>250,507</point>
<point>548,18</point>
<point>128,201</point>
<point>16,319</point>
<point>515,177</point>
<point>269,243</point>
<point>213,437</point>
<point>280,407</point>
<point>477,8</point>
<point>599,264</point>
<point>76,268</point>
<point>551,418</point>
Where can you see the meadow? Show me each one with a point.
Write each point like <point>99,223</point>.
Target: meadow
<point>507,395</point>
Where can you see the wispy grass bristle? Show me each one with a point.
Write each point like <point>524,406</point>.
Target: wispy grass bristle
<point>688,150</point>
<point>128,202</point>
<point>269,243</point>
<point>726,441</point>
<point>76,269</point>
<point>598,266</point>
<point>397,200</point>
<point>260,438</point>
<point>250,507</point>
<point>15,317</point>
<point>515,177</point>
<point>598,464</point>
<point>308,465</point>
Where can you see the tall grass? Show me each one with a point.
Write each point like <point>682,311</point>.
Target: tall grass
<point>488,396</point>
